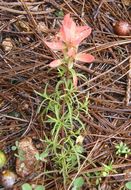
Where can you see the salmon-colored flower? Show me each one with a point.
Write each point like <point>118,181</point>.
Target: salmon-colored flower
<point>71,34</point>
<point>68,39</point>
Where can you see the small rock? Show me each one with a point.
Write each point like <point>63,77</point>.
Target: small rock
<point>7,44</point>
<point>26,163</point>
<point>8,179</point>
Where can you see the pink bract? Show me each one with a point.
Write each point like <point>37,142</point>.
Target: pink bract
<point>84,57</point>
<point>68,39</point>
<point>72,34</point>
<point>55,63</point>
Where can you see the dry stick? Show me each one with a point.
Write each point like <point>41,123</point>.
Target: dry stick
<point>29,125</point>
<point>30,3</point>
<point>107,45</point>
<point>128,90</point>
<point>102,74</point>
<point>19,3</point>
<point>101,168</point>
<point>27,3</point>
<point>38,34</point>
<point>83,7</point>
<point>24,12</point>
<point>28,13</point>
<point>74,11</point>
<point>98,9</point>
<point>102,47</point>
<point>15,118</point>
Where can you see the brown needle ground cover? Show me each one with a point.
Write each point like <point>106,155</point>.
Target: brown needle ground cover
<point>24,59</point>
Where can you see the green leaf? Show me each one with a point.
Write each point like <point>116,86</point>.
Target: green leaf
<point>37,156</point>
<point>79,149</point>
<point>26,186</point>
<point>59,13</point>
<point>128,185</point>
<point>13,148</point>
<point>39,187</point>
<point>2,159</point>
<point>74,75</point>
<point>44,155</point>
<point>79,181</point>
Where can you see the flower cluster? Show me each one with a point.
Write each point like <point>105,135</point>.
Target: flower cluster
<point>67,40</point>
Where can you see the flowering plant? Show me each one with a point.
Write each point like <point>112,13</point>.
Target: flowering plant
<point>67,40</point>
<point>61,109</point>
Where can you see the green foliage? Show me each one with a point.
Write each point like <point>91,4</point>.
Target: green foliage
<point>39,187</point>
<point>16,146</point>
<point>60,111</point>
<point>27,186</point>
<point>128,185</point>
<point>42,156</point>
<point>59,13</point>
<point>21,153</point>
<point>97,176</point>
<point>107,169</point>
<point>2,159</point>
<point>78,183</point>
<point>122,149</point>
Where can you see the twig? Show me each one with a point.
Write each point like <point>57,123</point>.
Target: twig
<point>15,118</point>
<point>19,3</point>
<point>98,9</point>
<point>107,45</point>
<point>128,90</point>
<point>109,70</point>
<point>24,12</point>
